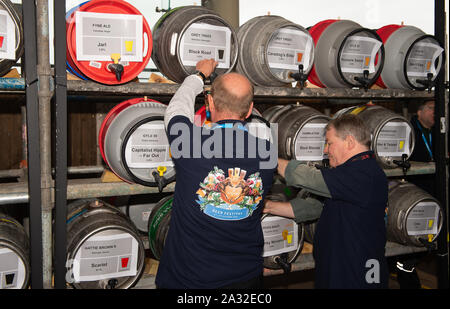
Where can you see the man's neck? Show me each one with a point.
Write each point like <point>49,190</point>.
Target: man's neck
<point>227,117</point>
<point>356,152</point>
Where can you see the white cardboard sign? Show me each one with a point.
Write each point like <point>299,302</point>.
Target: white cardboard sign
<point>7,36</point>
<point>148,147</point>
<point>280,235</point>
<point>423,219</point>
<point>98,35</point>
<point>310,142</point>
<point>12,270</point>
<point>394,139</point>
<point>358,54</point>
<point>203,41</point>
<point>288,48</point>
<point>108,254</point>
<point>422,58</point>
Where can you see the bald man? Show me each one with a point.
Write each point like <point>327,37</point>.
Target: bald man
<point>215,238</point>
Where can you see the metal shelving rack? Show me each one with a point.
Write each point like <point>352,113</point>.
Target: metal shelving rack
<point>43,192</point>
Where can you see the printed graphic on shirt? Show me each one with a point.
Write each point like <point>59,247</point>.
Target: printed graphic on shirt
<point>232,197</point>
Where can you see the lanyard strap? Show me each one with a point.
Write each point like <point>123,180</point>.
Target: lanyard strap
<point>425,140</point>
<point>228,126</point>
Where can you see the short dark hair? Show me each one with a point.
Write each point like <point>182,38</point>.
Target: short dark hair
<point>225,100</point>
<point>422,104</point>
<point>350,124</point>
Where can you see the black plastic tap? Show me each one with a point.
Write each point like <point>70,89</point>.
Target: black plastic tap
<point>282,261</point>
<point>428,83</point>
<point>403,163</point>
<point>300,77</point>
<point>116,68</point>
<point>112,283</point>
<point>160,181</point>
<point>364,81</point>
<point>430,245</point>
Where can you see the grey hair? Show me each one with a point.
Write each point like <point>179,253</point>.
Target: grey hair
<point>349,124</point>
<point>422,104</point>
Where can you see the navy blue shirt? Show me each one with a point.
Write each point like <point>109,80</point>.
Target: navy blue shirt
<point>215,237</point>
<point>350,239</point>
<point>421,153</point>
<point>423,139</point>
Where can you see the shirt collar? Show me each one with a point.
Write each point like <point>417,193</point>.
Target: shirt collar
<point>233,121</point>
<point>229,124</point>
<point>361,156</point>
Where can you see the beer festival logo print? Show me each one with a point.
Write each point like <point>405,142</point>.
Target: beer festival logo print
<point>232,197</point>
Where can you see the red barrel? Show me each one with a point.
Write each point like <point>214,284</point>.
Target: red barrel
<point>109,119</point>
<point>71,67</point>
<point>133,142</point>
<point>345,55</point>
<point>109,46</point>
<point>413,58</point>
<point>315,32</point>
<point>384,33</point>
<point>200,116</point>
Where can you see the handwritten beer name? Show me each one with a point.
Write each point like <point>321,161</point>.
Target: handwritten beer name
<point>200,52</point>
<point>201,35</point>
<point>106,26</point>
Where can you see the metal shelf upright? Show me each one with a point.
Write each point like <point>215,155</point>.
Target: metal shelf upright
<point>34,164</point>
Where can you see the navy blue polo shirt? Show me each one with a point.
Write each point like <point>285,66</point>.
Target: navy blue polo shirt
<point>350,239</point>
<point>421,153</point>
<point>215,237</point>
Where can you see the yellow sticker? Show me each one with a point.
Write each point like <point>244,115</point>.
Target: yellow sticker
<point>430,223</point>
<point>358,110</point>
<point>129,46</point>
<point>289,238</point>
<point>401,144</point>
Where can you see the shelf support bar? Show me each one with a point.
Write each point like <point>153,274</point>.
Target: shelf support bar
<point>61,144</point>
<point>34,164</point>
<point>44,96</point>
<point>440,151</point>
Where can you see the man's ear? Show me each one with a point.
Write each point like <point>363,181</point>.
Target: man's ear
<point>350,141</point>
<point>419,114</point>
<point>210,100</point>
<point>250,110</point>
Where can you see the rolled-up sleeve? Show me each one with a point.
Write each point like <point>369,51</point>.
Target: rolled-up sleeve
<point>308,209</point>
<point>298,174</point>
<point>183,101</point>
